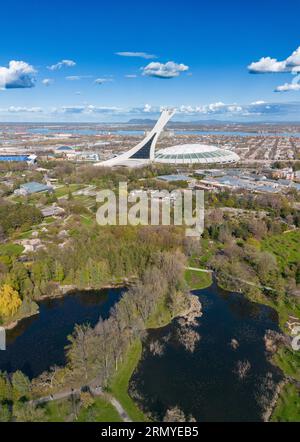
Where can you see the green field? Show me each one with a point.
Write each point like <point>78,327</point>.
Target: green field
<point>285,247</point>
<point>100,411</point>
<point>289,362</point>
<point>119,384</point>
<point>58,411</point>
<point>198,280</point>
<point>64,190</point>
<point>288,405</point>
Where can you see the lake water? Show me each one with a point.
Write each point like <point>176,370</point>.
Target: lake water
<point>205,383</point>
<point>38,342</point>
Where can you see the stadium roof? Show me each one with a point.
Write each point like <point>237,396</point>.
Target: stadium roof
<point>195,153</point>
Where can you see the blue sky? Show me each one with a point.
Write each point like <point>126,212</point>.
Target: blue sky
<point>193,55</point>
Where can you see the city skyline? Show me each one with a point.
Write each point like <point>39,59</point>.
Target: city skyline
<point>95,62</point>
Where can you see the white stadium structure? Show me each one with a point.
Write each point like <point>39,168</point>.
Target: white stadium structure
<point>144,152</point>
<point>195,154</point>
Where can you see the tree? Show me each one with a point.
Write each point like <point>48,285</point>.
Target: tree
<point>21,385</point>
<point>86,400</point>
<point>10,301</point>
<point>81,352</point>
<point>5,414</point>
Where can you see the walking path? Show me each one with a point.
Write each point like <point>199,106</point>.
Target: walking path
<point>232,277</point>
<point>199,270</point>
<point>96,391</point>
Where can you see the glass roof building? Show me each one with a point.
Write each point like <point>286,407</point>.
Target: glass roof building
<point>195,154</point>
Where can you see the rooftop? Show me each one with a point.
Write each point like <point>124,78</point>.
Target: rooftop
<point>34,187</point>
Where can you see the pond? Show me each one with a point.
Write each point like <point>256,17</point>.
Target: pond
<point>225,377</point>
<point>37,343</point>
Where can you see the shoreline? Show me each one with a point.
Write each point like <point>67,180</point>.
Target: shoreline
<point>61,291</point>
<point>189,316</point>
<point>119,385</point>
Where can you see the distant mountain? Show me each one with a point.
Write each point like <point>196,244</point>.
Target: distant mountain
<point>149,121</point>
<point>141,121</point>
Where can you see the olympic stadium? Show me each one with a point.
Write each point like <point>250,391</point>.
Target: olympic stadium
<point>195,154</point>
<point>144,152</point>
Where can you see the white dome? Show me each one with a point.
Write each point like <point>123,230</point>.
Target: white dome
<point>195,153</point>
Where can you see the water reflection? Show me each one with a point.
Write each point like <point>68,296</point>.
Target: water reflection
<point>38,342</point>
<point>215,371</point>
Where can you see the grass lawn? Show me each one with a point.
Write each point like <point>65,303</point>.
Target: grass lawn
<point>119,384</point>
<point>289,362</point>
<point>285,247</point>
<point>64,190</point>
<point>198,280</point>
<point>288,405</point>
<point>11,249</point>
<point>100,411</point>
<point>87,220</point>
<point>58,411</point>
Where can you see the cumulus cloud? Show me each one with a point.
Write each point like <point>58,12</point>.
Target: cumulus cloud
<point>18,74</point>
<point>222,111</point>
<point>294,59</point>
<point>288,87</point>
<point>136,54</point>
<point>61,64</point>
<point>291,64</point>
<point>47,81</point>
<point>164,70</point>
<point>212,108</point>
<point>267,65</point>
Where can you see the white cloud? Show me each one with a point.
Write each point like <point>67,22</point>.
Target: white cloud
<point>19,74</point>
<point>147,108</point>
<point>218,110</point>
<point>22,109</point>
<point>136,54</point>
<point>102,80</point>
<point>77,77</point>
<point>212,108</point>
<point>164,70</point>
<point>131,76</point>
<point>267,65</point>
<point>88,109</point>
<point>294,59</point>
<point>288,87</point>
<point>61,64</point>
<point>47,81</point>
<point>258,102</point>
